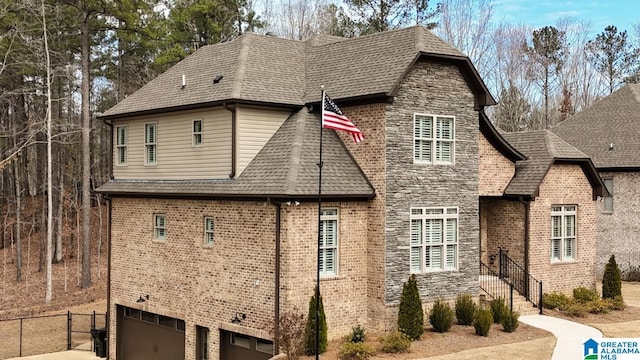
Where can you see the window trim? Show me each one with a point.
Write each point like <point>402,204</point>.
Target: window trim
<point>122,147</point>
<point>563,213</point>
<point>156,227</point>
<point>604,198</point>
<point>322,258</point>
<point>153,144</point>
<point>194,133</point>
<point>447,214</point>
<point>208,232</point>
<point>434,140</point>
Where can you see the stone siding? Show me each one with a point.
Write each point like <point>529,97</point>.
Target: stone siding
<point>496,171</point>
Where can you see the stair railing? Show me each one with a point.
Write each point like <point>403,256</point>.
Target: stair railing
<point>516,276</point>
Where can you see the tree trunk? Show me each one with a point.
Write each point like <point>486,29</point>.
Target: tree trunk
<point>49,290</point>
<point>18,238</point>
<point>86,153</point>
<point>58,256</point>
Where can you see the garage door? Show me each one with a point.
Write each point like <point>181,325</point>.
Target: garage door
<point>147,336</point>
<point>234,346</point>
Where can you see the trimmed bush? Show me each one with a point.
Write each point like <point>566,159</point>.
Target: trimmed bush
<point>357,334</point>
<point>584,295</point>
<point>575,308</point>
<point>498,307</point>
<point>441,316</point>
<point>509,321</point>
<point>465,309</point>
<point>356,351</point>
<point>555,300</point>
<point>598,306</point>
<point>616,303</point>
<point>611,281</point>
<point>482,322</point>
<point>395,342</point>
<point>310,329</point>
<point>410,314</point>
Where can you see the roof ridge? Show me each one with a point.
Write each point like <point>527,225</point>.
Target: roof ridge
<point>242,64</point>
<point>296,151</point>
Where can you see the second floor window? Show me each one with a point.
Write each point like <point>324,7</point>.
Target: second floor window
<point>159,227</point>
<point>329,242</point>
<point>563,232</point>
<point>197,132</point>
<point>433,139</point>
<point>121,144</point>
<point>208,231</point>
<point>150,143</point>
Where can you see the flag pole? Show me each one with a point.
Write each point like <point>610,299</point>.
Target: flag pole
<point>319,230</point>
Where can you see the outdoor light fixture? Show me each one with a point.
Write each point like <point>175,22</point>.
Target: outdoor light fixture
<point>142,298</point>
<point>217,79</point>
<point>238,318</point>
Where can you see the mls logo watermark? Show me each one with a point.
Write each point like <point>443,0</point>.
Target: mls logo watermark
<point>612,349</point>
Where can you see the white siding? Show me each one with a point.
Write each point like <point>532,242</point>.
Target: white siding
<point>254,128</point>
<point>177,158</point>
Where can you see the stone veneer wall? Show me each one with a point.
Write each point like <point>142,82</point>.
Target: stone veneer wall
<point>496,171</point>
<point>618,230</point>
<point>502,226</point>
<point>438,89</point>
<point>564,185</point>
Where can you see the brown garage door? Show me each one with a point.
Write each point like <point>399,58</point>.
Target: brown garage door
<point>146,336</point>
<point>234,346</point>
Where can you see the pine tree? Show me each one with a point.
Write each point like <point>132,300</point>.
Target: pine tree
<point>611,281</point>
<point>410,314</point>
<point>310,328</point>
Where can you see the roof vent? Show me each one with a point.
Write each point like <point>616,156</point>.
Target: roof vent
<point>217,79</point>
<point>271,33</point>
<point>610,146</point>
<point>184,81</point>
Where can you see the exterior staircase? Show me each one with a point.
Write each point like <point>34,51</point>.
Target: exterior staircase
<point>499,288</point>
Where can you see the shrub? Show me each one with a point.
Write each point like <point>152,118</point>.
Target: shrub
<point>441,316</point>
<point>616,303</point>
<point>395,342</point>
<point>509,321</point>
<point>410,314</point>
<point>574,308</point>
<point>310,344</point>
<point>356,351</point>
<point>357,334</point>
<point>555,300</point>
<point>584,295</point>
<point>291,333</point>
<point>611,281</point>
<point>482,322</point>
<point>598,306</point>
<point>498,307</point>
<point>465,309</point>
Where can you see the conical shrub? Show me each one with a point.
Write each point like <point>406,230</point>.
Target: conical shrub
<point>410,314</point>
<point>310,328</point>
<point>611,281</point>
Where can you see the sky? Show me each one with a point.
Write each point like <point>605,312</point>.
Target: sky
<point>538,13</point>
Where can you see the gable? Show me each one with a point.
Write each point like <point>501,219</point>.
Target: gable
<point>495,170</point>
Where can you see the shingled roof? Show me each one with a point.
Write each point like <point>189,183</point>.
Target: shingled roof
<point>608,130</point>
<point>285,168</point>
<point>543,149</point>
<point>271,70</point>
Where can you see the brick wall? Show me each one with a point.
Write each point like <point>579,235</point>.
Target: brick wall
<point>496,171</point>
<point>564,185</point>
<point>618,231</point>
<point>502,224</point>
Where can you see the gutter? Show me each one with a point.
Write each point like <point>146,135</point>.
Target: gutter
<point>276,311</point>
<point>527,216</point>
<point>233,109</point>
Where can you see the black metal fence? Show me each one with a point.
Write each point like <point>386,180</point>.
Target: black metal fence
<point>48,333</point>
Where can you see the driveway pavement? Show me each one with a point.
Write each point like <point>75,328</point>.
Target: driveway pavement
<point>82,352</point>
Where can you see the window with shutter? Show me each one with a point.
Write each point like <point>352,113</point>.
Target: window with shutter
<point>433,139</point>
<point>197,133</point>
<point>208,231</point>
<point>563,232</point>
<point>434,239</point>
<point>121,144</point>
<point>160,227</point>
<point>328,242</point>
<point>150,143</point>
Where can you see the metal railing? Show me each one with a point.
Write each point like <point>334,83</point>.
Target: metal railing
<point>516,276</point>
<point>495,287</point>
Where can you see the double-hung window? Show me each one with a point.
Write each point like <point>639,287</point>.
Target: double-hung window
<point>329,242</point>
<point>121,144</point>
<point>150,143</point>
<point>159,227</point>
<point>197,132</point>
<point>433,139</point>
<point>607,201</point>
<point>434,239</point>
<point>563,232</point>
<point>208,231</point>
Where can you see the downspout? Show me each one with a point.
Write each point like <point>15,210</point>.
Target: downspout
<point>108,317</point>
<point>526,232</point>
<point>276,312</point>
<point>232,175</point>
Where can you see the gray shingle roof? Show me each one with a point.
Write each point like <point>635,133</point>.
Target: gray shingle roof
<point>267,69</point>
<point>542,149</point>
<point>613,120</point>
<point>284,168</point>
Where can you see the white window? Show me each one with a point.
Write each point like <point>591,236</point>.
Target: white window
<point>563,232</point>
<point>121,144</point>
<point>329,242</point>
<point>433,139</point>
<point>607,201</point>
<point>159,227</point>
<point>197,132</point>
<point>208,231</point>
<point>150,144</point>
<point>434,239</point>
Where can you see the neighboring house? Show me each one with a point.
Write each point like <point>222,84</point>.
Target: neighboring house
<point>608,131</point>
<point>213,212</point>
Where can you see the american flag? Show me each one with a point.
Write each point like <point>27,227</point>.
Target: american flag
<point>333,118</point>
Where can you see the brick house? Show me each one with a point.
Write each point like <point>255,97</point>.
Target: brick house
<point>213,213</point>
<point>607,132</point>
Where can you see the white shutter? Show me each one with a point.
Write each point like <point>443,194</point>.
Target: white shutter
<point>436,257</point>
<point>414,258</point>
<point>330,261</point>
<point>416,232</point>
<point>451,256</point>
<point>569,245</point>
<point>555,249</point>
<point>452,229</point>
